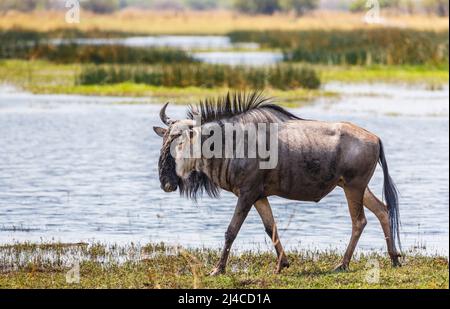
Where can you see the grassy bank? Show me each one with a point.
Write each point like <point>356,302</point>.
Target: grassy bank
<point>421,75</point>
<point>157,266</point>
<point>215,22</point>
<point>50,78</point>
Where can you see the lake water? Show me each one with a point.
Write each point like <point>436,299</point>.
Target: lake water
<point>208,49</point>
<point>257,58</point>
<point>75,168</point>
<point>185,42</point>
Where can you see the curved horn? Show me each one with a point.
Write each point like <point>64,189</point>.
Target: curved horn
<point>162,114</point>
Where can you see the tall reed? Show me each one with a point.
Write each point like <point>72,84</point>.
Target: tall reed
<point>389,46</point>
<point>19,44</point>
<point>203,75</point>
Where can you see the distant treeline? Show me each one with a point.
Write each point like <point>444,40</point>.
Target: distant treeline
<point>390,46</point>
<point>439,7</point>
<point>109,6</point>
<point>203,75</point>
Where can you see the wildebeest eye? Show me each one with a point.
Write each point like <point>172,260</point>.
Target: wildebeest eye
<point>175,135</point>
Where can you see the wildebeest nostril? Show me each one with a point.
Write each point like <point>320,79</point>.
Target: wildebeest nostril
<point>168,187</point>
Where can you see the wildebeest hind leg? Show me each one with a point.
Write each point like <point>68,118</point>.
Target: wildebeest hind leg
<point>265,212</point>
<point>354,197</point>
<point>381,212</point>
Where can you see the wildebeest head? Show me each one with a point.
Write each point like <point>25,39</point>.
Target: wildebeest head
<point>167,166</point>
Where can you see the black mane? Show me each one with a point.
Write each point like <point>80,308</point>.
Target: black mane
<point>222,108</point>
<point>235,104</point>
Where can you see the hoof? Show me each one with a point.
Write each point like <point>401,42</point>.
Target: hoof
<point>217,271</point>
<point>341,268</point>
<point>396,263</point>
<point>395,260</point>
<point>281,265</point>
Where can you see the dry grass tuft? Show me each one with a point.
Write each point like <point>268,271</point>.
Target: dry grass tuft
<point>210,22</point>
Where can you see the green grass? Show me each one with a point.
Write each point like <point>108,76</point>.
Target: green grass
<point>50,78</point>
<point>187,95</point>
<point>27,265</point>
<point>30,74</point>
<point>391,74</point>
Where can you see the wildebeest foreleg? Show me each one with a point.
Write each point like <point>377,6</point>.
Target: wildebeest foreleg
<point>240,213</point>
<point>265,212</point>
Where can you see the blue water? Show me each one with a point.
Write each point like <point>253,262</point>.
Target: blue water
<point>76,168</point>
<point>208,49</point>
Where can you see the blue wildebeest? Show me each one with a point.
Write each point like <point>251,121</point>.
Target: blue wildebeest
<point>313,158</point>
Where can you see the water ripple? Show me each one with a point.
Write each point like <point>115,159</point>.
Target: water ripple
<point>78,172</point>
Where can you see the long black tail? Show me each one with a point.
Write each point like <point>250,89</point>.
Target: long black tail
<point>390,195</point>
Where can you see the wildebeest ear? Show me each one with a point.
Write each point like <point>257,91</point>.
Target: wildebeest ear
<point>160,131</point>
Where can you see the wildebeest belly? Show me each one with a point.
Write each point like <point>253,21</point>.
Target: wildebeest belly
<point>308,162</point>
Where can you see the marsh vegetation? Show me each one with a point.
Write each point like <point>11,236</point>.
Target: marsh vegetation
<point>391,46</point>
<point>283,77</point>
<point>158,266</point>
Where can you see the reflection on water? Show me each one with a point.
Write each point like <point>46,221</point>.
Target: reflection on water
<point>74,171</point>
<point>240,58</point>
<point>413,100</point>
<point>186,42</point>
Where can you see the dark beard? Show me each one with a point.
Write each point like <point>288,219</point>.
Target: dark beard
<point>196,184</point>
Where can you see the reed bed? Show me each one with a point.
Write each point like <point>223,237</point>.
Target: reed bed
<point>72,53</point>
<point>203,75</point>
<point>390,46</point>
<point>372,46</point>
<point>30,45</point>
